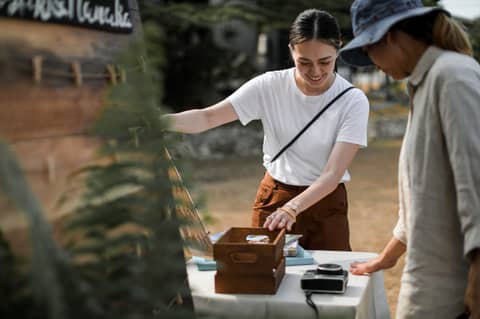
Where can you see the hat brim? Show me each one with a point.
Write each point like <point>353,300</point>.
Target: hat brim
<point>353,53</point>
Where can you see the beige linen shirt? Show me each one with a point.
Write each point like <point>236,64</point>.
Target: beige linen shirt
<point>439,185</point>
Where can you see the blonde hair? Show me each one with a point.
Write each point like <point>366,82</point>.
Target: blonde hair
<point>449,34</point>
<point>439,29</point>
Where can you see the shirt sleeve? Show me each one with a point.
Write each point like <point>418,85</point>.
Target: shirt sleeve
<point>460,115</point>
<point>399,230</point>
<point>246,100</point>
<point>354,127</point>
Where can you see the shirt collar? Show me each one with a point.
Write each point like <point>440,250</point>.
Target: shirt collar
<point>423,65</point>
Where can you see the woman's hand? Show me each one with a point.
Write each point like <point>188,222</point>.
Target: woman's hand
<point>379,263</point>
<point>387,259</point>
<point>283,217</point>
<point>365,268</point>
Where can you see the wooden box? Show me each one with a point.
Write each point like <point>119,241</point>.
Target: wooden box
<point>235,256</point>
<point>248,268</point>
<point>250,284</point>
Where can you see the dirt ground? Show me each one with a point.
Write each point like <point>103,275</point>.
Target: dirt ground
<point>229,186</point>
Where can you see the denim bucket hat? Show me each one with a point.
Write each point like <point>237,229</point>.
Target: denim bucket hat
<point>371,19</point>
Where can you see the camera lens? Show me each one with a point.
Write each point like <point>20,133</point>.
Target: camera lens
<point>329,269</point>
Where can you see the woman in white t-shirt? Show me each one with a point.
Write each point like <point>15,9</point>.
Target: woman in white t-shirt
<point>303,190</point>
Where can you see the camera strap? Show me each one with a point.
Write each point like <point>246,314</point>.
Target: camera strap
<point>311,122</point>
<point>308,296</point>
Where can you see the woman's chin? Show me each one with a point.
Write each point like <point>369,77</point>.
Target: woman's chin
<point>316,85</point>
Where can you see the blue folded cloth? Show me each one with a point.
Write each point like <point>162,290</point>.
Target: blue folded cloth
<point>303,258</point>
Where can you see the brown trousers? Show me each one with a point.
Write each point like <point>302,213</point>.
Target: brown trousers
<point>324,225</point>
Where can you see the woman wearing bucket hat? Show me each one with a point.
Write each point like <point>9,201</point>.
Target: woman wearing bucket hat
<point>303,188</point>
<point>439,167</point>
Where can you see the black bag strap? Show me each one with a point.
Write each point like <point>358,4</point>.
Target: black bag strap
<point>311,122</point>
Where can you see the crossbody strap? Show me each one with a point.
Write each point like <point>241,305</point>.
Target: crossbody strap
<point>311,122</point>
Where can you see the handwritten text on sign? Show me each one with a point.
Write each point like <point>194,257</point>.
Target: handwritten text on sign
<point>110,15</point>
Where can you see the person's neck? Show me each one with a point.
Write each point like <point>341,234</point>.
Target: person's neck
<point>414,53</point>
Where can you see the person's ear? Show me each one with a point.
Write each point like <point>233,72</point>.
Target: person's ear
<point>292,51</point>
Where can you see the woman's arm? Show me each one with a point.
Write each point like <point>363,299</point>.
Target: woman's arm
<point>338,162</point>
<point>387,259</point>
<point>200,120</point>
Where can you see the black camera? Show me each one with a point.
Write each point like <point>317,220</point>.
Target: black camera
<point>327,278</point>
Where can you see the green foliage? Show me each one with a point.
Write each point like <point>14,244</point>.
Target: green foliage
<point>125,234</point>
<point>44,252</point>
<point>14,286</point>
<point>267,14</point>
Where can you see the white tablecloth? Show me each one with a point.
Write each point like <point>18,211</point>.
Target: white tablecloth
<point>364,299</point>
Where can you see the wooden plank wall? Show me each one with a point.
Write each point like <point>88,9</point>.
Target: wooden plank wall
<point>45,120</point>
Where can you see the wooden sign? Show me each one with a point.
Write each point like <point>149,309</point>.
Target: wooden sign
<point>111,15</point>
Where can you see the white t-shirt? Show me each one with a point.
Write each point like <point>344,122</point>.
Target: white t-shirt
<point>284,110</point>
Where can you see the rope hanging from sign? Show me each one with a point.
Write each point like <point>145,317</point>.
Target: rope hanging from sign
<point>113,73</point>
<point>37,68</point>
<point>77,73</point>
